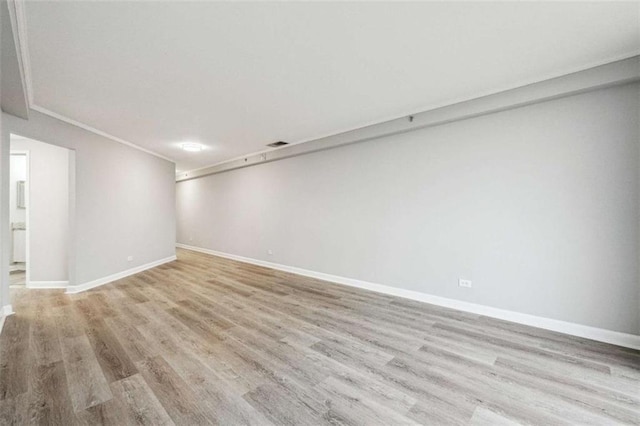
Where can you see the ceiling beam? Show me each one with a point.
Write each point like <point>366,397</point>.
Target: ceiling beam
<point>608,75</point>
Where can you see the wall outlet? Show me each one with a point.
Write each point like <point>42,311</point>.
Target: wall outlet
<point>190,238</point>
<point>465,283</point>
<point>129,259</point>
<point>270,252</point>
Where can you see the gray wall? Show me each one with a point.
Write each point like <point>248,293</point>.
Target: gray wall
<point>48,209</point>
<point>13,99</point>
<point>125,198</point>
<point>538,206</point>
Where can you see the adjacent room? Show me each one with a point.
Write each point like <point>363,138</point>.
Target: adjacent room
<point>309,213</point>
<point>39,217</point>
<point>18,216</point>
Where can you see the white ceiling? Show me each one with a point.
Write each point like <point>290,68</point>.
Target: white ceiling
<point>236,76</point>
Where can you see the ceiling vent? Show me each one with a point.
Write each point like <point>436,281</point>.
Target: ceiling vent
<point>277,144</point>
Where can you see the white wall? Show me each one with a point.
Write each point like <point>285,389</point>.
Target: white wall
<point>48,209</point>
<point>18,172</point>
<point>5,259</point>
<point>124,199</point>
<point>538,205</point>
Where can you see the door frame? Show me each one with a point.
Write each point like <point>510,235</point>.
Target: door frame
<point>71,225</point>
<point>27,203</point>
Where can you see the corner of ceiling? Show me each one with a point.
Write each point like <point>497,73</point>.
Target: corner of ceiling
<point>19,26</point>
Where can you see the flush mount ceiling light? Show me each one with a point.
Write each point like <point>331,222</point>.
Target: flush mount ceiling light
<point>192,147</point>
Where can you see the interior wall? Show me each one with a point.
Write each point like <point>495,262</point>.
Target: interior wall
<point>538,206</point>
<point>48,209</point>
<point>18,172</point>
<point>4,186</point>
<point>124,198</point>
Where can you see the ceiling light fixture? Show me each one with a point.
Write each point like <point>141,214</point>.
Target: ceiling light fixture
<point>192,147</point>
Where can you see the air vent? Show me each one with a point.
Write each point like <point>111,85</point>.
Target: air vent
<point>277,144</point>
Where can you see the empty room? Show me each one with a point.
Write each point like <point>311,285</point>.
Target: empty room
<point>314,213</point>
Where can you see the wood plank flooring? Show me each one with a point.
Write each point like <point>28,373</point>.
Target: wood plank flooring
<point>205,340</point>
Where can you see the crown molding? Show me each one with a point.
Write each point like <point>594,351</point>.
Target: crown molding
<point>19,26</point>
<point>15,16</point>
<point>19,22</point>
<point>23,46</point>
<point>94,130</point>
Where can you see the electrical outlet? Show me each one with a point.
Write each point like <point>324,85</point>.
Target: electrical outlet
<point>465,283</point>
<point>270,252</point>
<point>190,238</point>
<point>129,259</point>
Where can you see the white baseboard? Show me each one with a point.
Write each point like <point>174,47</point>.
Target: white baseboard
<point>574,329</point>
<point>6,311</point>
<point>47,284</point>
<point>105,280</point>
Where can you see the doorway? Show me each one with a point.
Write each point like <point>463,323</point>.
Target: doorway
<point>18,202</point>
<point>41,177</point>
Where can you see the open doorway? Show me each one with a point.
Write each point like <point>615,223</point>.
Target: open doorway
<point>18,193</point>
<point>40,211</point>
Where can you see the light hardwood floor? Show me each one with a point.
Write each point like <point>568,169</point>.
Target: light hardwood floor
<point>205,340</point>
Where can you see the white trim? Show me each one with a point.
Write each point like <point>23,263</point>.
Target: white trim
<point>23,54</point>
<point>27,202</point>
<point>22,45</point>
<point>6,311</point>
<point>616,70</point>
<point>47,284</point>
<point>72,207</point>
<point>114,277</point>
<point>94,130</point>
<point>594,333</point>
<point>19,24</point>
<point>18,27</point>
